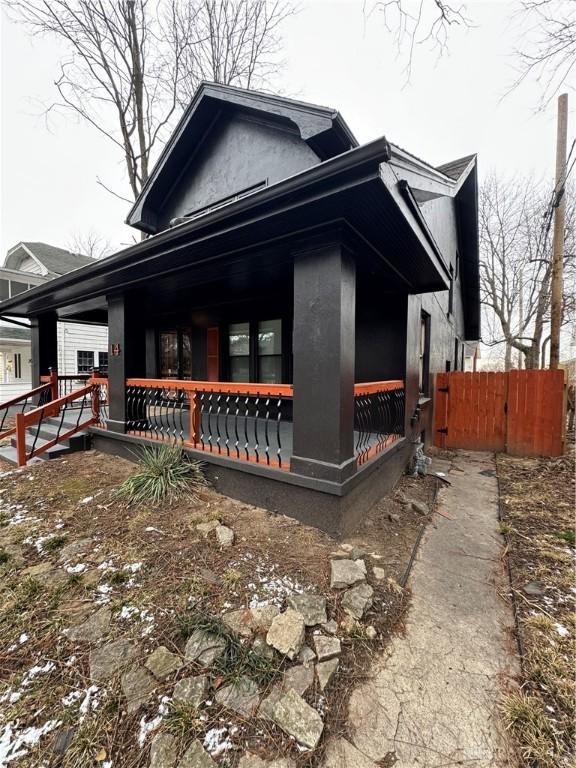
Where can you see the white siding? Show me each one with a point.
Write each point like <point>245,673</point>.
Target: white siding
<point>28,264</point>
<point>74,337</point>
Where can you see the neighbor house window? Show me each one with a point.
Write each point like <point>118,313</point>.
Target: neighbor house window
<point>456,353</point>
<point>84,361</point>
<point>270,351</point>
<point>17,365</point>
<point>103,362</point>
<point>451,292</point>
<point>239,351</point>
<point>424,367</point>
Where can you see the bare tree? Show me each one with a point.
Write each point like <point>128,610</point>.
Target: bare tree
<point>90,244</point>
<point>516,266</point>
<point>418,22</point>
<point>132,64</point>
<point>547,44</point>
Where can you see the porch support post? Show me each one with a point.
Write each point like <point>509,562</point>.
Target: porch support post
<point>44,344</point>
<point>324,355</point>
<point>117,362</point>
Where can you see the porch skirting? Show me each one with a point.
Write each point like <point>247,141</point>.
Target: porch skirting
<point>333,507</point>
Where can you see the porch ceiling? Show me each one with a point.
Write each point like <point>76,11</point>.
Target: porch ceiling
<point>355,190</point>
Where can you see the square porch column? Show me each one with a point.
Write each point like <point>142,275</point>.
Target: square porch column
<point>324,356</point>
<point>44,346</point>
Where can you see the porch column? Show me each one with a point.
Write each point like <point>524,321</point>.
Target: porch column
<point>118,341</point>
<point>44,344</point>
<point>323,347</point>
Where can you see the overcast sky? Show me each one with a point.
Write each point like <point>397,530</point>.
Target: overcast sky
<point>334,56</point>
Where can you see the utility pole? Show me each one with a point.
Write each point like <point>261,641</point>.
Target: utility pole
<point>559,223</point>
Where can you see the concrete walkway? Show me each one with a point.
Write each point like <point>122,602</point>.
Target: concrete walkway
<point>432,701</point>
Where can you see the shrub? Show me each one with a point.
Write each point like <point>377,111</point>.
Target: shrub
<point>165,474</point>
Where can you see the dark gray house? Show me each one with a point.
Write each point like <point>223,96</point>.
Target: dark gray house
<point>285,316</point>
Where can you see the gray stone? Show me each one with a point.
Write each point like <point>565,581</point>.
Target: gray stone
<point>190,690</point>
<point>357,601</point>
<point>137,686</point>
<point>356,553</point>
<point>325,670</point>
<point>286,633</point>
<point>248,621</point>
<point>394,518</point>
<point>205,529</point>
<point>62,739</point>
<point>379,573</point>
<point>74,549</point>
<point>306,655</point>
<point>163,662</point>
<point>163,751</point>
<point>91,630</point>
<point>341,754</point>
<point>298,719</point>
<point>253,761</point>
<point>420,507</point>
<point>261,647</point>
<point>54,579</point>
<point>224,536</point>
<point>534,589</point>
<point>242,696</point>
<point>312,608</point>
<point>347,573</point>
<point>330,626</point>
<point>268,703</point>
<point>110,658</point>
<point>298,678</point>
<point>326,647</point>
<point>204,647</point>
<point>196,757</point>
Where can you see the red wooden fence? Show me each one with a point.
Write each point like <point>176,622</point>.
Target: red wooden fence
<point>520,412</point>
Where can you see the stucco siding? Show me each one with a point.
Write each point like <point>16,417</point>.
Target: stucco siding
<point>238,154</point>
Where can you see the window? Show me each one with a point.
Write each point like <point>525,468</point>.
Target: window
<point>103,362</point>
<point>239,351</point>
<point>17,365</point>
<point>4,289</point>
<point>424,368</point>
<point>456,355</point>
<point>84,362</point>
<point>16,288</point>
<point>168,348</point>
<point>270,351</point>
<point>451,292</point>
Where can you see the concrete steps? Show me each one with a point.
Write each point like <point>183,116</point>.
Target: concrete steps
<point>49,429</point>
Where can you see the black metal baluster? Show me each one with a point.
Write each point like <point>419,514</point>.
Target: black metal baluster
<point>226,425</point>
<point>237,441</point>
<point>278,438</point>
<point>256,412</point>
<point>266,436</point>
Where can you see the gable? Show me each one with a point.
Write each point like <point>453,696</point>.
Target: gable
<point>240,154</point>
<point>295,124</point>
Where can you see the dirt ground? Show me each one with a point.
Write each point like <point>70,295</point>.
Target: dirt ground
<point>151,567</point>
<point>537,509</point>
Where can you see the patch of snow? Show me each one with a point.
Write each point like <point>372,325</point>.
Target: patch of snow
<point>147,726</point>
<point>106,565</point>
<point>128,612</point>
<point>561,629</point>
<point>133,567</point>
<point>151,529</point>
<point>75,568</point>
<point>14,744</point>
<point>89,702</point>
<point>86,500</point>
<point>217,741</point>
<point>71,698</point>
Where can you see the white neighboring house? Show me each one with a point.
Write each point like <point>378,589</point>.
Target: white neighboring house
<point>81,347</point>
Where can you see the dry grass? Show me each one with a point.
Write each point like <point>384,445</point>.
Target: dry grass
<point>537,503</point>
<point>183,576</point>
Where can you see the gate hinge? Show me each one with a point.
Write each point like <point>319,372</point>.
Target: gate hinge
<point>443,430</point>
<point>443,389</point>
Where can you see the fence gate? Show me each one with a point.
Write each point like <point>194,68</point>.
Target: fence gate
<point>520,412</point>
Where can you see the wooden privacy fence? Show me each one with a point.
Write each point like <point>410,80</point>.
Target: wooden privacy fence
<point>520,412</point>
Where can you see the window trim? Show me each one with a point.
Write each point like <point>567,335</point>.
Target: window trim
<point>424,356</point>
<point>84,352</point>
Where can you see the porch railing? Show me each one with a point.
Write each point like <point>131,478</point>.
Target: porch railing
<point>251,422</point>
<point>20,404</point>
<point>378,417</point>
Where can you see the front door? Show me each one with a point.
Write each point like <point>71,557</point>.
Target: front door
<point>175,354</point>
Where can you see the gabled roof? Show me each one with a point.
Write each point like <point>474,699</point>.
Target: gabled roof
<point>456,168</point>
<point>322,128</point>
<point>56,261</point>
<point>14,334</point>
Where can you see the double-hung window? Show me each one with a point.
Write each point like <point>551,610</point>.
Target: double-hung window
<point>255,351</point>
<point>424,367</point>
<point>239,351</point>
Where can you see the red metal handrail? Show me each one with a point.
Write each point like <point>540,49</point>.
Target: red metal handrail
<point>372,387</point>
<point>19,400</point>
<point>225,387</point>
<point>53,408</point>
